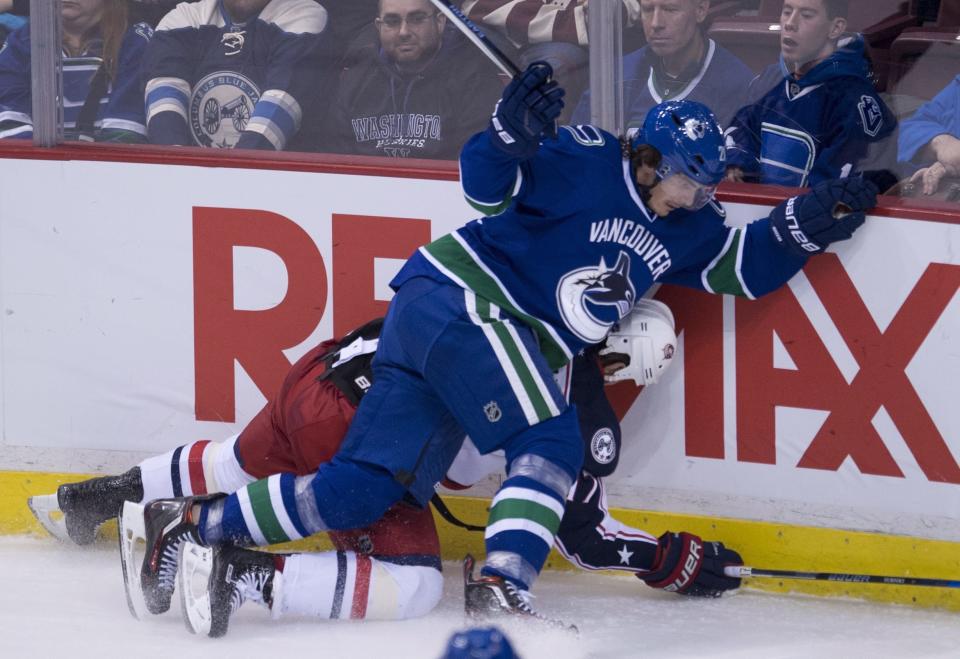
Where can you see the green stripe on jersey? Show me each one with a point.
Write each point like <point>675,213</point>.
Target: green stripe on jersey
<point>262,506</point>
<point>524,509</point>
<point>452,255</point>
<point>522,369</point>
<point>491,209</point>
<point>723,276</point>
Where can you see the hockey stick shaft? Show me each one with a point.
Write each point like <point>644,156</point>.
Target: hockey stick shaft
<point>742,571</point>
<point>476,35</point>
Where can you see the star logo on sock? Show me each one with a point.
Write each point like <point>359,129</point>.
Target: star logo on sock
<point>625,555</point>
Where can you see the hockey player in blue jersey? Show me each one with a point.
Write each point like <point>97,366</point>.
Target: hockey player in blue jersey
<point>818,113</point>
<point>581,225</point>
<point>229,73</point>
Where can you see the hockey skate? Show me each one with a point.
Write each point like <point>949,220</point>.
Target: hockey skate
<point>77,510</point>
<point>156,531</point>
<point>215,582</point>
<point>490,596</point>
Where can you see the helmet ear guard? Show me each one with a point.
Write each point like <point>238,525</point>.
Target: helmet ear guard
<point>641,346</point>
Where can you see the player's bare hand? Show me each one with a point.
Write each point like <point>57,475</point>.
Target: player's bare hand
<point>734,175</point>
<point>947,150</point>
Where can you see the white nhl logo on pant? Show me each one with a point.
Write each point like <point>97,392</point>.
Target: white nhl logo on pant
<point>492,410</point>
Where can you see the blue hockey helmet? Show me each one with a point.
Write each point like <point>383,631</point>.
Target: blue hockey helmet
<point>689,141</point>
<point>479,643</point>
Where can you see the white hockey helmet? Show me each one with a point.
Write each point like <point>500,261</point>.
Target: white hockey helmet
<point>641,346</point>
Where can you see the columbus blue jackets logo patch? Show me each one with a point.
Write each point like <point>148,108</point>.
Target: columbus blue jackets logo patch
<point>871,115</point>
<point>603,446</point>
<point>220,108</point>
<point>592,299</point>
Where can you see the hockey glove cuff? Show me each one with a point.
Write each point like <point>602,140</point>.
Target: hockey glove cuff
<point>687,565</point>
<point>830,212</point>
<point>529,107</point>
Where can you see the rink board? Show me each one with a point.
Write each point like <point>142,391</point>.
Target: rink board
<point>762,544</point>
<point>146,305</point>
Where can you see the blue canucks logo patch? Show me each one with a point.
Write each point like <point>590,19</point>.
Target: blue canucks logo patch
<point>220,108</point>
<point>871,115</point>
<point>592,299</point>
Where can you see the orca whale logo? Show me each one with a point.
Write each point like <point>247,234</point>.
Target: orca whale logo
<point>592,299</point>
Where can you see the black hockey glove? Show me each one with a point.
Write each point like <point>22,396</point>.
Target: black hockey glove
<point>830,212</point>
<point>687,565</point>
<point>529,106</point>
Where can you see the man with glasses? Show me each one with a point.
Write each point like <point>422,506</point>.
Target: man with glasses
<point>414,93</point>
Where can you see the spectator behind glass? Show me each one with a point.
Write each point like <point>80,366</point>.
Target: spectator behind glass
<point>551,31</point>
<point>417,93</point>
<point>930,139</point>
<point>679,62</point>
<point>8,21</point>
<point>238,73</point>
<point>102,87</point>
<point>818,112</point>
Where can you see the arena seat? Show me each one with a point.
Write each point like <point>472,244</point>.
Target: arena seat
<point>924,59</point>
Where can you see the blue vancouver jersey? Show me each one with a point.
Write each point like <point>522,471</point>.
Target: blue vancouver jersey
<point>120,116</point>
<point>820,127</point>
<point>573,247</point>
<point>938,116</point>
<point>720,82</point>
<point>212,82</point>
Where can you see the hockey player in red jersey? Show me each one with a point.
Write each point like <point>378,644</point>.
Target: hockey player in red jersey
<point>392,568</point>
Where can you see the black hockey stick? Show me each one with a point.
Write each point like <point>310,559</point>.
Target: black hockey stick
<point>741,571</point>
<point>476,35</point>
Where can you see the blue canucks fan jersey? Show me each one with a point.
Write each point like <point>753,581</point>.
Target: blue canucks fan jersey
<point>213,82</point>
<point>819,127</point>
<point>574,246</point>
<point>120,115</point>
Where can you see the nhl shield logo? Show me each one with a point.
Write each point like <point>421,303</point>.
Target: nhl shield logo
<point>493,412</point>
<point>603,446</point>
<point>668,351</point>
<point>220,108</point>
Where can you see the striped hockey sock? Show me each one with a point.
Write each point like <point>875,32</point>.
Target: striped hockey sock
<point>262,513</point>
<point>197,468</point>
<point>523,521</point>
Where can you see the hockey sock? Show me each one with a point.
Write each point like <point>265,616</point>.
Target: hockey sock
<point>202,467</point>
<point>262,513</point>
<point>344,584</point>
<point>523,521</point>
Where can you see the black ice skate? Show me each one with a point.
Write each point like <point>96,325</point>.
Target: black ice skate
<point>77,510</point>
<point>161,526</point>
<point>491,595</point>
<point>215,582</point>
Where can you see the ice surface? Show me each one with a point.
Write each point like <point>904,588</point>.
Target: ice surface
<point>62,602</point>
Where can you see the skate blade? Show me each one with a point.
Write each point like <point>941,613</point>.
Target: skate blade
<point>133,538</point>
<point>196,564</point>
<point>46,509</point>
